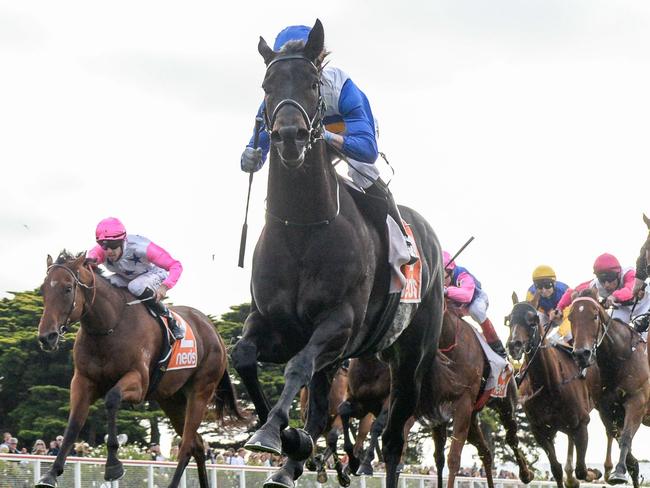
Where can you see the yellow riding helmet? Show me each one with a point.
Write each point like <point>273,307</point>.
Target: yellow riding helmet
<point>543,272</point>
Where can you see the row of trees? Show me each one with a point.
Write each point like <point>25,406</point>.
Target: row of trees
<point>34,394</point>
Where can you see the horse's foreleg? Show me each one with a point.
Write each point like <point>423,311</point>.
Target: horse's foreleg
<point>545,439</point>
<point>633,468</point>
<point>581,439</point>
<point>375,432</point>
<point>129,388</point>
<point>244,359</point>
<point>608,464</point>
<point>325,343</point>
<point>439,440</point>
<point>571,481</point>
<point>476,438</point>
<point>506,409</point>
<point>634,410</point>
<point>83,393</point>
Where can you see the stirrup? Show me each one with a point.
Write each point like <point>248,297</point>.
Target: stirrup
<point>413,257</point>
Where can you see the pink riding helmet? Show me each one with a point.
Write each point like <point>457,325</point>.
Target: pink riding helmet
<point>110,229</point>
<point>606,262</point>
<point>446,257</point>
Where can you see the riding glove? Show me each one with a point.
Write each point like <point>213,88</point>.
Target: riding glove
<point>251,159</point>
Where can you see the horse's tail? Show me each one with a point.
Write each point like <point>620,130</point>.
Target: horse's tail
<point>441,386</point>
<point>225,400</point>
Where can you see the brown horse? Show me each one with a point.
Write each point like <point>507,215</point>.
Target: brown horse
<point>463,350</point>
<point>116,351</point>
<point>621,356</point>
<point>555,398</point>
<point>332,431</point>
<point>459,343</point>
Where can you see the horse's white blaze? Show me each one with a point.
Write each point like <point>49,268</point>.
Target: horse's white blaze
<point>53,283</point>
<point>581,308</point>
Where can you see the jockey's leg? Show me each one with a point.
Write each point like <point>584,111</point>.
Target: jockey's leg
<point>381,189</point>
<point>478,311</point>
<point>161,309</point>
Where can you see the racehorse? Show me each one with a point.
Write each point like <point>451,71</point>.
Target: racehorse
<point>320,277</point>
<point>116,351</point>
<point>333,430</point>
<point>366,400</point>
<point>555,398</point>
<point>621,356</point>
<point>459,343</point>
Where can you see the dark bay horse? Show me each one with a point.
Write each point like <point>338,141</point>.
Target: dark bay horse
<point>320,276</point>
<point>333,429</point>
<point>115,351</point>
<point>555,398</point>
<point>621,356</point>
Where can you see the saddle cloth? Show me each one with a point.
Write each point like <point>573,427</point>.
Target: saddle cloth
<point>183,354</point>
<point>496,384</point>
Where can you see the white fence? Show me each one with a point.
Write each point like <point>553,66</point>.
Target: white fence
<point>22,471</point>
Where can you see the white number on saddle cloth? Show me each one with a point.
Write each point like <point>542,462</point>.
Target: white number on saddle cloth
<point>184,354</point>
<point>412,291</point>
<point>501,388</point>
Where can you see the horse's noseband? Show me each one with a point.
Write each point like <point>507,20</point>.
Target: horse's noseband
<point>315,123</point>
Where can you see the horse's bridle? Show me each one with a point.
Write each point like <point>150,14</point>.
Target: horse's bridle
<point>63,328</point>
<point>601,325</point>
<point>315,123</point>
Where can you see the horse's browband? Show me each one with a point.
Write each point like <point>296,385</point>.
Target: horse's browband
<point>289,57</point>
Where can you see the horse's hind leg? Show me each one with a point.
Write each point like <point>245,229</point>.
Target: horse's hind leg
<point>633,468</point>
<point>462,420</point>
<point>375,432</point>
<point>439,440</point>
<point>608,464</point>
<point>475,437</point>
<point>82,395</point>
<point>571,481</point>
<point>545,440</point>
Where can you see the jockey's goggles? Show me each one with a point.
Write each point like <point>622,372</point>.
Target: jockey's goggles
<point>607,277</point>
<point>110,244</point>
<point>547,285</point>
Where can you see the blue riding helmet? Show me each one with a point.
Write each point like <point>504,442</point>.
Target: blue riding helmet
<point>291,33</point>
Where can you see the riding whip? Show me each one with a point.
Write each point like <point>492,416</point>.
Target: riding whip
<point>459,251</point>
<point>244,229</point>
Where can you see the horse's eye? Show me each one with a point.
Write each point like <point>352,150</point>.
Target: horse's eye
<point>314,86</point>
<point>68,289</point>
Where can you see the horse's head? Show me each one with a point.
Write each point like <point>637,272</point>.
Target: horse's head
<point>524,329</point>
<point>293,104</point>
<point>588,326</point>
<point>63,297</point>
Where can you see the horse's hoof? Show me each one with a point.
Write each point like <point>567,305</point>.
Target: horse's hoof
<point>114,472</point>
<point>265,441</point>
<point>310,464</point>
<point>353,466</point>
<point>400,468</point>
<point>344,479</point>
<point>581,473</point>
<point>297,443</point>
<point>525,476</point>
<point>321,477</point>
<point>47,481</point>
<point>279,480</point>
<point>617,478</point>
<point>365,469</point>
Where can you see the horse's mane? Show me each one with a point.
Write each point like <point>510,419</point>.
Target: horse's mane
<point>66,256</point>
<point>297,47</point>
<point>589,292</point>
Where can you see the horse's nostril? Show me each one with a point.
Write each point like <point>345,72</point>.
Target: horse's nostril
<point>302,135</point>
<point>275,137</point>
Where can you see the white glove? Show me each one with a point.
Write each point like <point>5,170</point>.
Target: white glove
<point>251,159</point>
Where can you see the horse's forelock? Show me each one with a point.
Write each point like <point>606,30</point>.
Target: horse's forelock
<point>298,46</point>
<point>66,256</point>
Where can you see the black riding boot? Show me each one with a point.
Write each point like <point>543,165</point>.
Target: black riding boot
<point>380,188</point>
<point>161,309</point>
<point>497,346</point>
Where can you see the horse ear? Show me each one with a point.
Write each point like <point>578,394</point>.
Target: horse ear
<point>50,261</point>
<point>647,221</point>
<point>315,42</point>
<point>532,318</point>
<point>267,53</point>
<point>79,261</point>
<point>515,298</point>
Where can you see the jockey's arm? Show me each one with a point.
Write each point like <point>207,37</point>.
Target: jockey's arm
<point>464,292</point>
<point>161,258</point>
<point>96,254</point>
<point>359,139</point>
<point>625,293</point>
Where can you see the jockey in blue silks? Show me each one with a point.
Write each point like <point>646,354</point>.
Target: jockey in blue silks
<point>350,127</point>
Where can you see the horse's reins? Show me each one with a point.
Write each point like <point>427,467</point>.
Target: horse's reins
<point>522,374</point>
<point>315,125</point>
<point>63,328</point>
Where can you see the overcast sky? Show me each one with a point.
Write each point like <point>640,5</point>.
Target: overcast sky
<point>524,124</point>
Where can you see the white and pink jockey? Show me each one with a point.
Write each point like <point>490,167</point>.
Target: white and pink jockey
<point>143,264</point>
